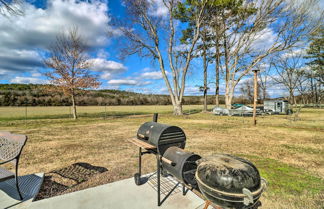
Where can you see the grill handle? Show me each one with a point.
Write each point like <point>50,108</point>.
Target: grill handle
<point>141,136</point>
<point>168,161</point>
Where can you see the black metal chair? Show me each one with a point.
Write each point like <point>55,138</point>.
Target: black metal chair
<point>11,146</point>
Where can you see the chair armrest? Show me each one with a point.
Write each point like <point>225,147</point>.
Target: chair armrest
<point>1,163</point>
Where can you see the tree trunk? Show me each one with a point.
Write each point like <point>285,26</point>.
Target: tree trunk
<point>177,108</point>
<point>312,89</point>
<point>291,96</point>
<point>228,102</point>
<point>303,99</point>
<point>316,93</point>
<point>205,80</point>
<point>74,108</point>
<point>228,99</point>
<point>217,73</point>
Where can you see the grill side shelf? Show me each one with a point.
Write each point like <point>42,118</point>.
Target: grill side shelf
<point>142,144</point>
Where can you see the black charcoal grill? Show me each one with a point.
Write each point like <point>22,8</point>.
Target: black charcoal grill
<point>204,177</point>
<point>184,165</point>
<point>167,143</point>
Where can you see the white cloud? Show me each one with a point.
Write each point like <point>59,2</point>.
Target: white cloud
<point>181,48</point>
<point>192,90</point>
<point>106,75</point>
<point>39,27</point>
<point>3,72</point>
<point>103,65</point>
<point>36,74</point>
<point>147,69</point>
<point>19,79</point>
<point>155,75</point>
<point>149,73</point>
<point>293,53</point>
<point>264,40</point>
<point>24,38</point>
<point>102,54</point>
<point>19,60</point>
<point>128,82</point>
<point>107,68</point>
<point>144,83</point>
<point>123,82</point>
<point>277,90</point>
<point>158,8</point>
<point>264,66</point>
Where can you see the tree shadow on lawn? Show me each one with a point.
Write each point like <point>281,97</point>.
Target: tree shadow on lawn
<point>59,180</point>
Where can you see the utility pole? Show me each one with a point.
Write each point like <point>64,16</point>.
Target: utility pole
<point>255,94</point>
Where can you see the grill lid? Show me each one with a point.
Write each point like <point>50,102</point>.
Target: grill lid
<point>162,136</point>
<point>229,181</point>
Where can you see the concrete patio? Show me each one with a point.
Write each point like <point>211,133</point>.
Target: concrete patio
<point>29,186</point>
<point>122,194</point>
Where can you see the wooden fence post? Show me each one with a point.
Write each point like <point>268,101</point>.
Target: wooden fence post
<point>255,99</point>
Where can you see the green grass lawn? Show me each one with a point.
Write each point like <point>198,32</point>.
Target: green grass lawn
<point>289,154</point>
<point>55,112</point>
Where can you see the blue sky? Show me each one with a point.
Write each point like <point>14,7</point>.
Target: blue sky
<point>23,41</point>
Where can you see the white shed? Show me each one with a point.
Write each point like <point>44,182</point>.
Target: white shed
<point>277,106</point>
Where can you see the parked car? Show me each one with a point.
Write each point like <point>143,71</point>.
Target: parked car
<point>220,111</point>
<point>236,105</point>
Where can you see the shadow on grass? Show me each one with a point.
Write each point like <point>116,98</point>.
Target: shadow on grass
<point>58,181</point>
<point>191,111</point>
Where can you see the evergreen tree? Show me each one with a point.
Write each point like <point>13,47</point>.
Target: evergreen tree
<point>316,54</point>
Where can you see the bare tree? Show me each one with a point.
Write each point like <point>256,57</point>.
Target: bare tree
<point>247,89</point>
<point>146,31</point>
<point>288,24</point>
<point>216,9</point>
<point>11,7</point>
<point>205,46</point>
<point>218,55</point>
<point>70,66</point>
<point>289,72</point>
<point>264,79</point>
<point>203,50</point>
<point>303,85</point>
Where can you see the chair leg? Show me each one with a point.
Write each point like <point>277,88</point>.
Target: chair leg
<point>16,178</point>
<point>17,186</point>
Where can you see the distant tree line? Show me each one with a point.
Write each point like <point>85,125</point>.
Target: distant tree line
<point>38,95</point>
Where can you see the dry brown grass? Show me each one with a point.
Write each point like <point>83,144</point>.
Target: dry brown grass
<point>276,145</point>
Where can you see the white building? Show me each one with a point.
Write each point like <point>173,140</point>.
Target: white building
<point>277,106</point>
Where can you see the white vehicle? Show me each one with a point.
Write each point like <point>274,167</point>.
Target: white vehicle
<point>220,111</point>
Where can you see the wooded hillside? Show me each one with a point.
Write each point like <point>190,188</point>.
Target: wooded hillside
<point>38,95</point>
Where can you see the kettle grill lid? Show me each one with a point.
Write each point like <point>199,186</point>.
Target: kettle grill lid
<point>228,173</point>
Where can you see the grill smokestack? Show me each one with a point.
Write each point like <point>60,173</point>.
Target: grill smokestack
<point>155,117</point>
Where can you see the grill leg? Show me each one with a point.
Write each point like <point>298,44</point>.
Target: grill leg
<point>137,176</point>
<point>183,190</point>
<point>140,161</point>
<point>158,180</point>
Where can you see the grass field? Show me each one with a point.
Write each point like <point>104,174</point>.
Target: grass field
<point>289,154</point>
<point>55,112</point>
